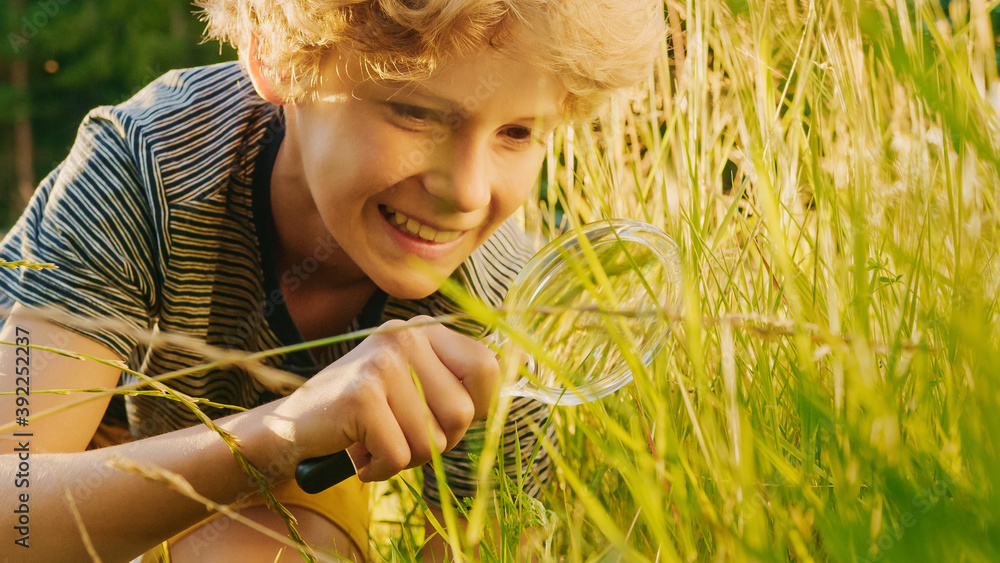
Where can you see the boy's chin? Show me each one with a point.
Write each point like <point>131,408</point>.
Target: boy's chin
<point>413,285</point>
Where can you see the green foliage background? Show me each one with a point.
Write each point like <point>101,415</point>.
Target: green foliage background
<point>106,50</point>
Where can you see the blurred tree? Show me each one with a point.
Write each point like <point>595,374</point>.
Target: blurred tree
<point>61,58</point>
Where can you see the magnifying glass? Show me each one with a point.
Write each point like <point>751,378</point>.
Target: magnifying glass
<point>585,312</point>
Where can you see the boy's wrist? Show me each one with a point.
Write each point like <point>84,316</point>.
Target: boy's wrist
<point>267,441</point>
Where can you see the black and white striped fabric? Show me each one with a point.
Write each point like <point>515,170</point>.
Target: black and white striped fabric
<point>157,220</point>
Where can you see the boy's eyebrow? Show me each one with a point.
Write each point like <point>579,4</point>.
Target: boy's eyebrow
<point>407,88</point>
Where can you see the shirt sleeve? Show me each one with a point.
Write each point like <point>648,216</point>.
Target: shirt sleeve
<point>93,219</point>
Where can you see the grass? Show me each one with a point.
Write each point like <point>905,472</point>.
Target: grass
<point>830,392</point>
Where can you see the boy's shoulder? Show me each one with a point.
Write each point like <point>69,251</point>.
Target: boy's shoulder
<point>194,106</point>
<point>213,88</point>
<point>187,131</point>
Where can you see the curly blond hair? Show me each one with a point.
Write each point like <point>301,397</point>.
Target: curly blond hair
<point>593,46</point>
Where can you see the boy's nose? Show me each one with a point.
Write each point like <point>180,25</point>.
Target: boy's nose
<point>461,176</point>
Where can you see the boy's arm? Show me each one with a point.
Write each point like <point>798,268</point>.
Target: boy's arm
<point>40,469</point>
<point>28,372</point>
<point>367,400</point>
<point>122,514</point>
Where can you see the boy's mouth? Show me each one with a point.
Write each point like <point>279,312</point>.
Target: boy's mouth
<point>415,228</point>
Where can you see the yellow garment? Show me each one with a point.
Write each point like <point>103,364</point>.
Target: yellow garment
<point>346,505</point>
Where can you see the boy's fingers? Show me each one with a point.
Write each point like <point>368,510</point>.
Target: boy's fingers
<point>449,401</point>
<point>471,362</point>
<point>457,376</point>
<point>419,419</point>
<point>418,423</point>
<point>383,450</point>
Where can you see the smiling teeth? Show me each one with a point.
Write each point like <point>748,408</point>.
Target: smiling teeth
<point>416,228</point>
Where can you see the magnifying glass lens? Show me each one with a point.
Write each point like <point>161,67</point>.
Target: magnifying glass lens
<point>591,304</point>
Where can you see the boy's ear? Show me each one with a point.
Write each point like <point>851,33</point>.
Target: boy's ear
<point>261,82</point>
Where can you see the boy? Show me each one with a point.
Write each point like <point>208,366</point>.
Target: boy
<point>361,153</point>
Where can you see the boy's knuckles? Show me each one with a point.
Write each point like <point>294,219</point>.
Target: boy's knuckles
<point>395,458</point>
<point>363,394</point>
<point>482,354</point>
<point>489,367</point>
<point>383,364</point>
<point>422,320</point>
<point>400,336</point>
<point>392,326</point>
<point>422,452</point>
<point>457,418</point>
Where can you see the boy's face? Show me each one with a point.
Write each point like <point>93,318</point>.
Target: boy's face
<point>411,178</point>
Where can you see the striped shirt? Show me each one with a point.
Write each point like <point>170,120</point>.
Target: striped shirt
<point>159,219</point>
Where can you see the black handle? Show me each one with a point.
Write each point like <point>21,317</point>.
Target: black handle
<point>318,474</point>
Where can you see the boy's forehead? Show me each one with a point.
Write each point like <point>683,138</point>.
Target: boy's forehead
<point>461,84</point>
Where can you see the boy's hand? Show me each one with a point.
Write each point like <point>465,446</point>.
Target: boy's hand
<point>367,401</point>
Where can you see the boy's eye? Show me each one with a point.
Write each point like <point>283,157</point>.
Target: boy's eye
<point>518,133</point>
<point>520,136</point>
<point>413,114</point>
